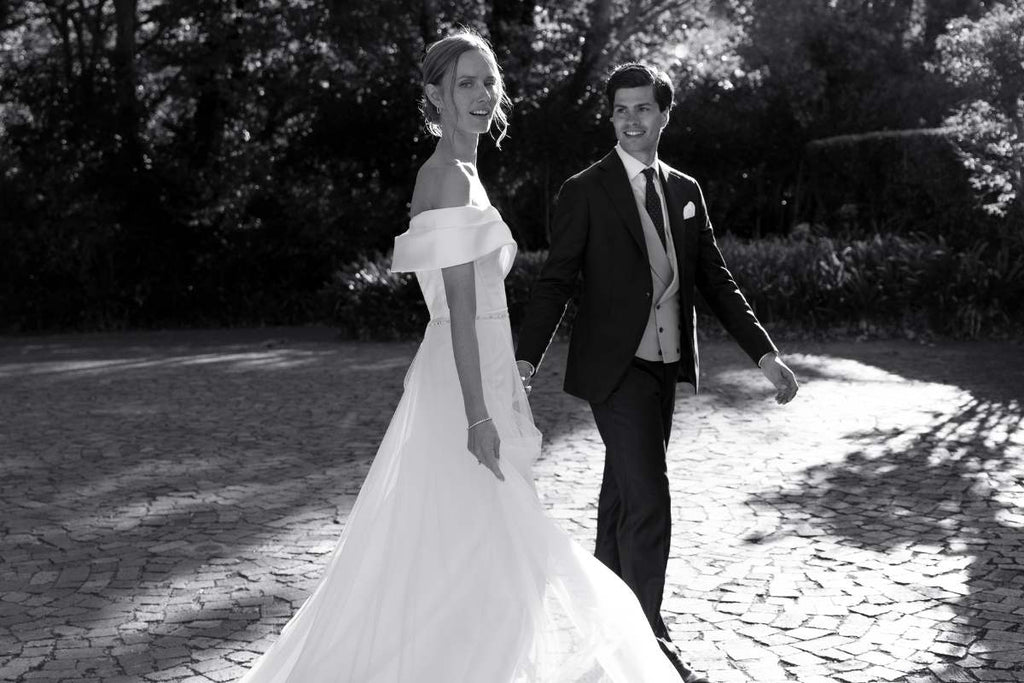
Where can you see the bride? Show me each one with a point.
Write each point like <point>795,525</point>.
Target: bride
<point>448,569</point>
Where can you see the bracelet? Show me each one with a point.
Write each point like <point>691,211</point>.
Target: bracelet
<point>478,422</point>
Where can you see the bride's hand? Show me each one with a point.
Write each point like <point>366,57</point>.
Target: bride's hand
<point>483,442</point>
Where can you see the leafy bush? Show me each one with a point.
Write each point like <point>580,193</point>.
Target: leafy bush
<point>985,59</point>
<point>892,282</point>
<point>889,283</point>
<point>371,302</point>
<point>517,290</point>
<point>367,301</point>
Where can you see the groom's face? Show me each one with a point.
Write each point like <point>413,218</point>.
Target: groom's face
<point>637,120</point>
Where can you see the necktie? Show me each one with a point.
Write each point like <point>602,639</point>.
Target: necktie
<point>653,205</point>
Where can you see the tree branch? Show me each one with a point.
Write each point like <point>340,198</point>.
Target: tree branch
<point>607,34</point>
<point>639,15</point>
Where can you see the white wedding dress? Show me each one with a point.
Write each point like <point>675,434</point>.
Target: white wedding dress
<point>443,573</point>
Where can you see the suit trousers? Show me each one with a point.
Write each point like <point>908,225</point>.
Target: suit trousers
<point>634,513</point>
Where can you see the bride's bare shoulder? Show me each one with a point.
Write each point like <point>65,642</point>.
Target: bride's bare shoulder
<point>441,185</point>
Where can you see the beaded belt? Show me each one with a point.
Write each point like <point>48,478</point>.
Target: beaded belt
<point>493,315</point>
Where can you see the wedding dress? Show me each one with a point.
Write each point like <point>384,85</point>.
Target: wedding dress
<point>443,573</point>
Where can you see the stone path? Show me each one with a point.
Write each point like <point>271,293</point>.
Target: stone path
<point>167,500</point>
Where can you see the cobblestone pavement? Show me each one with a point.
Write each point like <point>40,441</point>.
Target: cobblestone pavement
<point>167,500</point>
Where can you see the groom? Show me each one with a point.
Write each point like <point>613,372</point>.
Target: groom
<point>638,233</point>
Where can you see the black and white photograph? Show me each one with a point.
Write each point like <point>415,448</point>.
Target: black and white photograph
<point>495,341</point>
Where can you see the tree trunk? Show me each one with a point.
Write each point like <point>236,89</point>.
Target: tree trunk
<point>60,22</point>
<point>429,27</point>
<point>86,72</point>
<point>595,47</point>
<point>213,103</point>
<point>123,62</point>
<point>96,40</point>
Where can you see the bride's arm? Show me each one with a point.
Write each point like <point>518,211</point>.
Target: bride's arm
<point>460,293</point>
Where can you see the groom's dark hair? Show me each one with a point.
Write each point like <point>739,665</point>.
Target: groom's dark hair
<point>637,75</point>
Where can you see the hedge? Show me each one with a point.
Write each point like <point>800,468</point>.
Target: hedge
<point>892,182</point>
<point>889,283</point>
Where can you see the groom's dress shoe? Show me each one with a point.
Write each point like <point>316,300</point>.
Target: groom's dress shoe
<point>686,673</point>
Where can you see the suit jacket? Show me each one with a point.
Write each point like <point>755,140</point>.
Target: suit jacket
<point>597,234</point>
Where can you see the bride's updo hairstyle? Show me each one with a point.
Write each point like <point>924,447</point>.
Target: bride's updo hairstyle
<point>438,69</point>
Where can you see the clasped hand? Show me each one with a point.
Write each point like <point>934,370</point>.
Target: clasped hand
<point>525,374</point>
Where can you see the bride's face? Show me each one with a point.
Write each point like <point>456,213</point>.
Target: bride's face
<point>467,102</point>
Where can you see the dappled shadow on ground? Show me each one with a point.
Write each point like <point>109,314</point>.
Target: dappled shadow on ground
<point>110,356</point>
<point>153,484</point>
<point>137,476</point>
<point>937,495</point>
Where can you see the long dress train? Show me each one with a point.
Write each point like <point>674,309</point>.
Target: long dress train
<point>443,573</point>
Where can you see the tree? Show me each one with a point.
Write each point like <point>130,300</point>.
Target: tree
<point>777,75</point>
<point>166,163</point>
<point>985,59</point>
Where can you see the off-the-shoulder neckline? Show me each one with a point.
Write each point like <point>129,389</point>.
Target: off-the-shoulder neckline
<point>452,208</point>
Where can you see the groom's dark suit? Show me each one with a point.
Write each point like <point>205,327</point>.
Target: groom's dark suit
<point>597,233</point>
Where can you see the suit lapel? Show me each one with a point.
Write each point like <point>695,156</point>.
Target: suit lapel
<point>617,185</point>
<point>684,232</point>
<point>675,200</point>
<point>675,229</point>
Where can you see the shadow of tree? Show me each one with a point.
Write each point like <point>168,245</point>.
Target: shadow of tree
<point>941,499</point>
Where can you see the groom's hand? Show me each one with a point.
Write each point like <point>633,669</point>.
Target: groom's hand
<point>525,373</point>
<point>779,374</point>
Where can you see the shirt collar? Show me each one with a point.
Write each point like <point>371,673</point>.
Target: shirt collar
<point>634,166</point>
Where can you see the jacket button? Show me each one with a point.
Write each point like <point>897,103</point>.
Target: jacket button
<point>661,329</point>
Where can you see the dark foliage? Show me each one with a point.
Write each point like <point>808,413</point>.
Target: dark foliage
<point>191,163</point>
<point>367,301</point>
<point>889,284</point>
<point>910,284</point>
<point>896,182</point>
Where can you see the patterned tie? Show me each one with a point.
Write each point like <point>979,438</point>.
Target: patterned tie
<point>653,205</point>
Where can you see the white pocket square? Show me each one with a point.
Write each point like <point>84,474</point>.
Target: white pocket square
<point>689,211</point>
